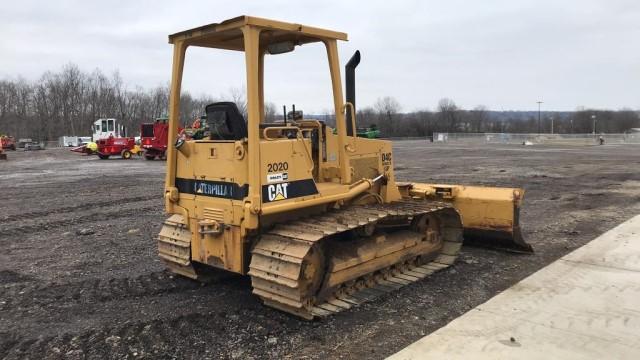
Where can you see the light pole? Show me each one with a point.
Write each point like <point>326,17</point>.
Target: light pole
<point>551,125</point>
<point>593,117</point>
<point>539,102</point>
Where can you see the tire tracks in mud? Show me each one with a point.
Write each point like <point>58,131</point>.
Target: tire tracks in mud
<point>150,339</point>
<point>68,209</point>
<point>25,295</point>
<point>75,220</point>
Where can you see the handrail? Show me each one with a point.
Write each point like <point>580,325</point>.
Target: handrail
<point>309,157</point>
<point>298,137</point>
<point>270,128</point>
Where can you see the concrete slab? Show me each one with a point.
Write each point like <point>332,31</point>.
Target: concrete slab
<point>585,305</point>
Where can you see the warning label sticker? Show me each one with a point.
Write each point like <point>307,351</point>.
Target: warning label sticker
<point>277,177</point>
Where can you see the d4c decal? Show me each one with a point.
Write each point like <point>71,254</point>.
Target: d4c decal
<point>386,158</point>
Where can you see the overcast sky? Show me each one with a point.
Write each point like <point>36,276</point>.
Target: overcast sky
<point>503,54</point>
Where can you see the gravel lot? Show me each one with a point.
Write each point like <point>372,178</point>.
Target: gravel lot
<point>80,278</point>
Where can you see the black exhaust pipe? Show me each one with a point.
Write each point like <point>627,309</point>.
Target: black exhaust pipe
<point>350,84</point>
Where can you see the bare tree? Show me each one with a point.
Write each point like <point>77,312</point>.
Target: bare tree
<point>479,116</point>
<point>448,114</point>
<point>238,96</point>
<point>387,106</point>
<point>387,115</point>
<point>625,119</point>
<point>367,116</point>
<point>270,111</point>
<point>424,123</point>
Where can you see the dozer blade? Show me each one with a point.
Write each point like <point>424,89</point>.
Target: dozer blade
<point>490,215</point>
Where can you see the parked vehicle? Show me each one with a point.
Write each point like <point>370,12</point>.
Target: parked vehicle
<point>316,219</point>
<point>33,146</point>
<point>154,138</point>
<point>73,141</point>
<point>122,146</point>
<point>7,142</point>
<point>371,132</point>
<point>101,129</point>
<point>23,141</point>
<point>106,128</point>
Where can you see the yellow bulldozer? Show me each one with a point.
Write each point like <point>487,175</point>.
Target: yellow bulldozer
<point>315,218</point>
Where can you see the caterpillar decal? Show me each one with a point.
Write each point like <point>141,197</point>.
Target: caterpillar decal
<point>221,189</point>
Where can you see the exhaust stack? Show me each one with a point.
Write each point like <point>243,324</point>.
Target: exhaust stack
<point>350,84</point>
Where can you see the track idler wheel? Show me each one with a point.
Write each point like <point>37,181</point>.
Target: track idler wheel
<point>311,273</point>
<point>430,226</point>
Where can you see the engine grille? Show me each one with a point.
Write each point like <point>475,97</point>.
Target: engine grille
<point>213,214</point>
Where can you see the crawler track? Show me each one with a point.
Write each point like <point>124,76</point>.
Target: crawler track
<point>285,260</point>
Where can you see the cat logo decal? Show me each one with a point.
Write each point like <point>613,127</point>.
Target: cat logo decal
<point>278,191</point>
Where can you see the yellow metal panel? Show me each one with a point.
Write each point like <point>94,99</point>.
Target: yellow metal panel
<point>338,102</point>
<point>174,112</point>
<point>251,41</point>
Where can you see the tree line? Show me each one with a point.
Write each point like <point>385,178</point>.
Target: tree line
<point>69,101</point>
<point>387,116</point>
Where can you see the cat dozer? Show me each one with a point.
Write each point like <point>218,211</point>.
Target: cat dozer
<point>316,219</point>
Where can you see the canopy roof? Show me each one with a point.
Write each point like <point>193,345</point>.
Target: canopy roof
<point>228,34</point>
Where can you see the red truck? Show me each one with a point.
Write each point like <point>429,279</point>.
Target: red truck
<point>154,138</point>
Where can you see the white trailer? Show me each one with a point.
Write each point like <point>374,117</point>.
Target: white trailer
<point>70,141</point>
<point>73,141</point>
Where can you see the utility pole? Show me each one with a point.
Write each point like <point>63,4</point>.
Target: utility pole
<point>551,125</point>
<point>539,102</point>
<point>593,117</point>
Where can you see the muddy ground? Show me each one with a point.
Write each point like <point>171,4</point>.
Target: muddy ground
<point>80,278</point>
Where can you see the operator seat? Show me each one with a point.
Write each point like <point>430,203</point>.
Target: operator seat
<point>225,121</point>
